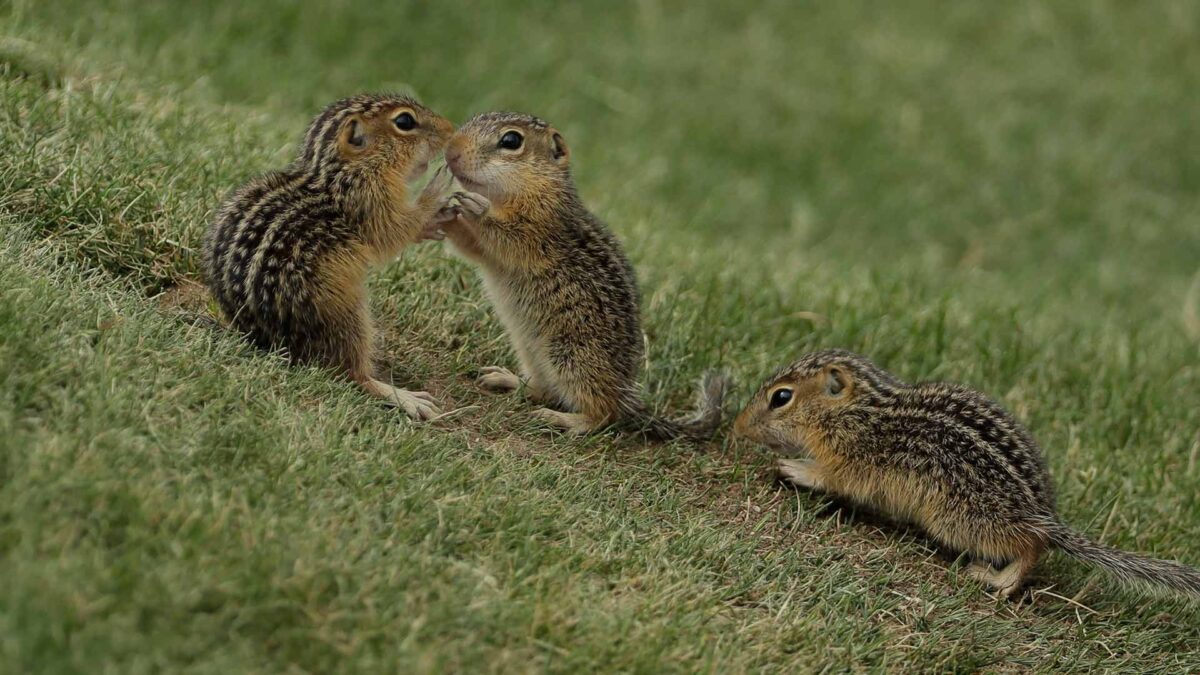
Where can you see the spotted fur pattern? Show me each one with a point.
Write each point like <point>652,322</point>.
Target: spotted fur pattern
<point>559,280</point>
<point>287,253</point>
<point>941,455</point>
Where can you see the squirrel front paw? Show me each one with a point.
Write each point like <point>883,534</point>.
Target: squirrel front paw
<point>473,205</point>
<point>434,190</point>
<point>447,215</point>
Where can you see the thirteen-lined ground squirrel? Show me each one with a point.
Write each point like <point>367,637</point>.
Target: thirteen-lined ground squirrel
<point>558,279</point>
<point>288,253</point>
<point>940,455</point>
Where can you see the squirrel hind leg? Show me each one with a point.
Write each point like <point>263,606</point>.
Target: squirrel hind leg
<point>1007,580</point>
<point>499,380</point>
<point>418,405</point>
<point>349,345</point>
<point>578,424</point>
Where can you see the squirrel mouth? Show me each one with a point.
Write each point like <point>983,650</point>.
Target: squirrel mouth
<point>791,447</point>
<point>459,175</point>
<point>456,170</point>
<point>467,182</point>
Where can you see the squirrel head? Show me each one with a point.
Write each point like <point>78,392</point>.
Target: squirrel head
<point>811,401</point>
<point>377,142</point>
<point>510,157</point>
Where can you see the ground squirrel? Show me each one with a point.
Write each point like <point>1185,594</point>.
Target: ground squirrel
<point>558,279</point>
<point>941,455</point>
<point>288,252</point>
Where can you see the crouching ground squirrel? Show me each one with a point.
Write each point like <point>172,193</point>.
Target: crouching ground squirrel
<point>941,455</point>
<point>288,252</point>
<point>558,279</point>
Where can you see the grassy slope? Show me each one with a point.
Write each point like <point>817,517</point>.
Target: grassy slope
<point>1005,197</point>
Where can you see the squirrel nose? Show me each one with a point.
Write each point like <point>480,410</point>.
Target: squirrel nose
<point>452,157</point>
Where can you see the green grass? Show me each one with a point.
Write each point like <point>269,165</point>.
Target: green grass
<point>1005,194</point>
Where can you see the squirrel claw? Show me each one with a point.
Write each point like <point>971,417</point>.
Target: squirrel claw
<point>498,379</point>
<point>418,405</point>
<point>445,216</point>
<point>473,204</point>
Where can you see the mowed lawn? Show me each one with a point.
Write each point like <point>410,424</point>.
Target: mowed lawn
<point>1004,194</point>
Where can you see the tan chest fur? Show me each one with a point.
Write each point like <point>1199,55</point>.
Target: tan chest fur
<point>523,328</point>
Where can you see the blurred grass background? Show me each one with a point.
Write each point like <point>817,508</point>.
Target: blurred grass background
<point>1003,194</point>
<point>1037,137</point>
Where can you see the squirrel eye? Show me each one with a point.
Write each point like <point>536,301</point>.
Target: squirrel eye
<point>510,141</point>
<point>405,121</point>
<point>780,398</point>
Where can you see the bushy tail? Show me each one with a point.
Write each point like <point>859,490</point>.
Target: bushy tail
<point>701,426</point>
<point>1126,567</point>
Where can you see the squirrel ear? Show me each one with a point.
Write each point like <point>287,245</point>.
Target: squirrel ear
<point>835,381</point>
<point>560,146</point>
<point>354,134</point>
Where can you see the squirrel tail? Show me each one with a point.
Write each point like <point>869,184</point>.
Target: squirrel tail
<point>1128,568</point>
<point>700,426</point>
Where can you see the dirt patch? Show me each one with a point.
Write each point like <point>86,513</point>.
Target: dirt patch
<point>190,300</point>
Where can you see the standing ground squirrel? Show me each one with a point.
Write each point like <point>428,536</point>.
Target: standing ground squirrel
<point>559,280</point>
<point>941,455</point>
<point>289,251</point>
